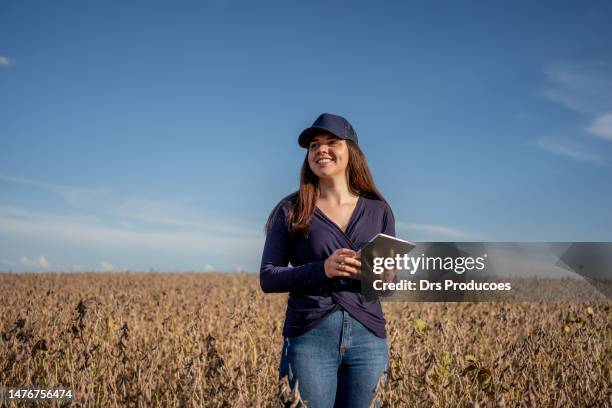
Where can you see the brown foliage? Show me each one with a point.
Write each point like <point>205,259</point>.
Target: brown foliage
<point>136,339</point>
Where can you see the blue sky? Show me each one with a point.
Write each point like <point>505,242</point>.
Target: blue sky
<point>137,135</point>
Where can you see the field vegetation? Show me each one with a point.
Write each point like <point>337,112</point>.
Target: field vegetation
<point>213,340</point>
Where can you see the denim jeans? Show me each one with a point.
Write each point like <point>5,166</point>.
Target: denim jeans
<point>337,363</point>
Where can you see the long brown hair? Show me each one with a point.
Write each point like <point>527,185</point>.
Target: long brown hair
<point>304,200</point>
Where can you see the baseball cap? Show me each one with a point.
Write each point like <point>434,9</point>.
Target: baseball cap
<point>328,123</point>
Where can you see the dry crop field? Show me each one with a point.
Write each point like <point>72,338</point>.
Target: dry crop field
<point>141,339</point>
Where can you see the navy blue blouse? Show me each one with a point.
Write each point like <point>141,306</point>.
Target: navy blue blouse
<point>312,295</point>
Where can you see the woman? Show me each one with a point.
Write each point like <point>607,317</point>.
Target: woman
<point>335,344</point>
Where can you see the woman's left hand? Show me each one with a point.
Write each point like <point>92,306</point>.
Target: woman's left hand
<point>388,274</point>
<point>343,262</point>
<point>352,264</point>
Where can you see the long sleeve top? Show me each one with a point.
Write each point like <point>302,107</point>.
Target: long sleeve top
<point>312,295</point>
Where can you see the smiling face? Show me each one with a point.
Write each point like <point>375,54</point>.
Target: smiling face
<point>328,156</point>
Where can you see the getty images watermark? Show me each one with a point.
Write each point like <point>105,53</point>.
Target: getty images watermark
<point>486,271</point>
<point>412,264</point>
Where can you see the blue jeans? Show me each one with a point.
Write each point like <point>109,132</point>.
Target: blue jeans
<point>337,363</point>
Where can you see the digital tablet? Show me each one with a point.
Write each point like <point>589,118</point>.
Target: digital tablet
<point>386,245</point>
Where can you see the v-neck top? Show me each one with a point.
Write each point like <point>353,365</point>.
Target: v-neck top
<point>348,224</point>
<point>312,295</point>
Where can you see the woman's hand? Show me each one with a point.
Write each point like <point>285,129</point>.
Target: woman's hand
<point>343,262</point>
<point>369,256</point>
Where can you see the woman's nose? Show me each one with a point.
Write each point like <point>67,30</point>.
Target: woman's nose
<point>322,149</point>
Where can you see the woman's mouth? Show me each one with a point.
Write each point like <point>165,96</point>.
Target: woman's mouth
<point>324,162</point>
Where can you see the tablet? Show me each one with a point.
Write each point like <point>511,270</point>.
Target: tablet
<point>386,245</point>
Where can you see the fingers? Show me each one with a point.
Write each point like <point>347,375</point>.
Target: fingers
<point>347,270</point>
<point>353,262</point>
<point>348,267</point>
<point>347,262</point>
<point>345,252</point>
<point>388,275</point>
<point>344,262</point>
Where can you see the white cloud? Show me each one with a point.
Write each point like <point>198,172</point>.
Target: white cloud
<point>161,212</point>
<point>570,149</point>
<point>41,262</point>
<point>581,87</point>
<point>208,268</point>
<point>106,266</point>
<point>82,230</point>
<point>434,231</point>
<point>102,219</point>
<point>5,60</point>
<point>585,88</point>
<point>602,126</point>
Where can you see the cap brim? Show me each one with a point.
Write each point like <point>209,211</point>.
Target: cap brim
<point>307,135</point>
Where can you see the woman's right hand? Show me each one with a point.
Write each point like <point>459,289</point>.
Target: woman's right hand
<point>343,262</point>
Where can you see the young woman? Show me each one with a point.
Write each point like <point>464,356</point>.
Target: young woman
<point>335,345</point>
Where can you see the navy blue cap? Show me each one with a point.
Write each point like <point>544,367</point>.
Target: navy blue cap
<point>328,123</point>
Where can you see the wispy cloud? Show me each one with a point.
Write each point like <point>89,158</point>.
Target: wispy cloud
<point>72,195</point>
<point>40,263</point>
<point>106,266</point>
<point>581,87</point>
<point>570,149</point>
<point>153,211</point>
<point>79,230</point>
<point>602,126</point>
<point>6,61</point>
<point>584,88</point>
<point>433,231</point>
<point>96,218</point>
